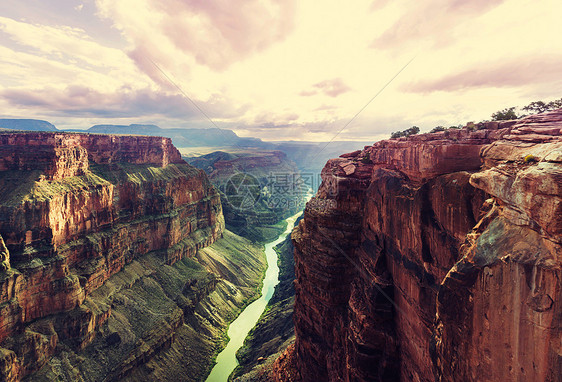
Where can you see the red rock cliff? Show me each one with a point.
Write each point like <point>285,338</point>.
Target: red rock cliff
<point>413,263</point>
<point>74,209</point>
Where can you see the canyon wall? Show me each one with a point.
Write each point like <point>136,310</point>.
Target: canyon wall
<point>434,257</point>
<point>75,210</point>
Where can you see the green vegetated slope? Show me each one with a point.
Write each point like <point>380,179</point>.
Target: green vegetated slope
<point>175,315</point>
<point>275,330</point>
<point>17,187</point>
<point>139,173</point>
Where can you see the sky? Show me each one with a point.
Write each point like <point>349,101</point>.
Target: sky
<point>277,69</point>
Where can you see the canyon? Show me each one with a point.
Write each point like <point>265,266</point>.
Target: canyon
<point>422,258</point>
<point>116,264</point>
<point>434,257</point>
<point>274,332</point>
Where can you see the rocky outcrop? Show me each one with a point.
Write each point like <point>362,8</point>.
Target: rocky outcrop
<point>4,256</point>
<point>61,155</point>
<point>413,263</point>
<point>498,308</point>
<point>74,210</point>
<point>222,165</point>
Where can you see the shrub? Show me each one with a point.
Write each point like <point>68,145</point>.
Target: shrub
<point>405,133</point>
<point>505,114</point>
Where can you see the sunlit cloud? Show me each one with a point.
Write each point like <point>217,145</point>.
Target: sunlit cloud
<point>434,20</point>
<point>213,33</point>
<point>522,71</point>
<point>80,100</point>
<point>331,88</point>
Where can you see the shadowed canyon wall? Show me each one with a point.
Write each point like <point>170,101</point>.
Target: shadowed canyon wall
<point>434,257</point>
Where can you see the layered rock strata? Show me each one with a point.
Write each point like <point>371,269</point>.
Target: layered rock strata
<point>74,210</point>
<point>167,322</point>
<point>434,257</point>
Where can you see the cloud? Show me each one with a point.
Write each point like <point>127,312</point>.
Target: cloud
<point>297,71</point>
<point>41,54</point>
<point>523,71</point>
<point>61,42</point>
<point>215,33</point>
<point>363,128</point>
<point>433,20</point>
<point>325,107</point>
<point>142,57</point>
<point>83,101</point>
<point>331,88</point>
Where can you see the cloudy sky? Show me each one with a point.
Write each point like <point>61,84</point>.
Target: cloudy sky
<point>277,69</point>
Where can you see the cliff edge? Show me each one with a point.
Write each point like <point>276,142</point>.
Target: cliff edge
<point>434,257</point>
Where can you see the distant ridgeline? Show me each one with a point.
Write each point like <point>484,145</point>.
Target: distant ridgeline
<point>26,124</point>
<point>184,137</point>
<point>180,137</point>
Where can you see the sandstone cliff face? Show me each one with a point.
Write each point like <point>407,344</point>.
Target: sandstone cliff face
<point>74,210</point>
<point>498,309</point>
<point>414,264</point>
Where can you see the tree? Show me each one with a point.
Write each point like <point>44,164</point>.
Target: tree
<point>505,114</point>
<point>405,133</point>
<point>556,104</point>
<point>538,107</point>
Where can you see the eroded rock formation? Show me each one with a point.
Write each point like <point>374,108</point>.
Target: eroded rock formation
<point>434,257</point>
<point>75,209</point>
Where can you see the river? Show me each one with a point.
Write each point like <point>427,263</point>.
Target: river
<point>239,328</point>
